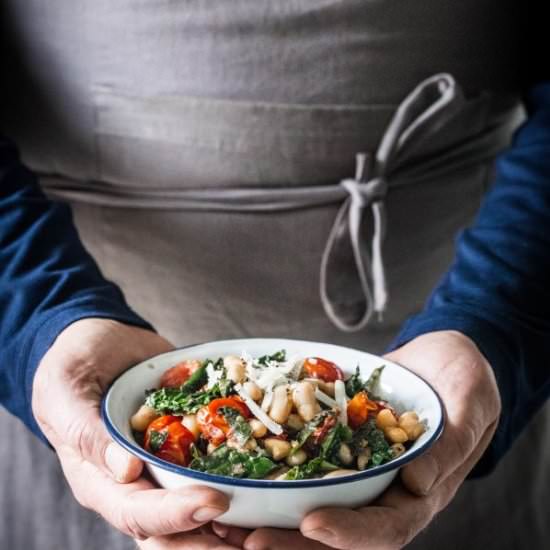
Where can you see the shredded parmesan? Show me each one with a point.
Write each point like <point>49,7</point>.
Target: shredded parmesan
<point>271,425</point>
<point>324,398</point>
<point>213,375</point>
<point>340,398</point>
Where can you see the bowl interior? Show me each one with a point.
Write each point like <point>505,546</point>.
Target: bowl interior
<point>403,389</point>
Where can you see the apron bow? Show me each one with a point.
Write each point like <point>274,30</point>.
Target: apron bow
<point>350,268</point>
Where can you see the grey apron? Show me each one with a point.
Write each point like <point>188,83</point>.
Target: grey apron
<point>261,170</point>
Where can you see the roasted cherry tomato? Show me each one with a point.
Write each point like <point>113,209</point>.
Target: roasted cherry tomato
<point>213,425</point>
<point>359,408</point>
<point>168,439</point>
<point>315,367</point>
<point>176,376</point>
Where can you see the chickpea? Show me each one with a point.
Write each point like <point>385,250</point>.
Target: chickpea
<point>281,404</point>
<point>363,459</point>
<point>344,454</point>
<point>277,448</point>
<point>258,428</point>
<point>295,422</point>
<point>253,390</point>
<point>398,449</point>
<point>297,458</point>
<point>235,368</point>
<point>250,444</point>
<point>305,400</point>
<point>411,425</point>
<point>385,419</point>
<point>338,473</point>
<point>396,435</point>
<point>144,416</point>
<point>190,422</point>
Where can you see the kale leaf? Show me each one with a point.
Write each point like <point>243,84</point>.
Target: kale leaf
<point>278,356</point>
<point>241,430</point>
<point>309,469</point>
<point>331,444</point>
<point>178,402</point>
<point>196,381</point>
<point>225,461</point>
<point>355,384</point>
<point>369,435</point>
<point>157,439</point>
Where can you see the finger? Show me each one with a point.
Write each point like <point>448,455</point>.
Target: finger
<point>231,535</point>
<point>468,414</point>
<point>185,542</point>
<point>139,509</point>
<point>280,539</point>
<point>86,434</point>
<point>396,518</point>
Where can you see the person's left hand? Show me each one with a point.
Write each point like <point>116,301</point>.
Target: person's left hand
<point>465,382</point>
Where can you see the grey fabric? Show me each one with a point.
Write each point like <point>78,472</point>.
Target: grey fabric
<point>144,114</point>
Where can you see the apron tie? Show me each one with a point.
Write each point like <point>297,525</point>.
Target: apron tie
<point>350,267</point>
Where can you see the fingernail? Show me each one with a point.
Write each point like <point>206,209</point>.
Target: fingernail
<point>220,529</point>
<point>116,459</point>
<point>320,534</point>
<point>202,515</point>
<point>425,474</point>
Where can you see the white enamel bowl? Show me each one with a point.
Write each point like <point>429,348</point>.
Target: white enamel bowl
<point>260,503</point>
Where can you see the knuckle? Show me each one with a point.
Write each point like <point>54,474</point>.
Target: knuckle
<point>127,522</point>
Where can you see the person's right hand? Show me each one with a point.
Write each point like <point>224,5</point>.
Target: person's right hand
<point>67,390</point>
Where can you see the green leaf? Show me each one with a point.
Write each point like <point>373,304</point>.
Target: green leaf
<point>230,462</point>
<point>157,439</point>
<point>175,401</point>
<point>354,384</point>
<point>307,430</point>
<point>310,469</point>
<point>369,435</point>
<point>196,381</point>
<point>371,384</point>
<point>241,431</point>
<point>331,444</point>
<point>278,357</point>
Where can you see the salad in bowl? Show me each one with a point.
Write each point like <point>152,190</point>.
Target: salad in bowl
<point>272,417</point>
<point>281,426</point>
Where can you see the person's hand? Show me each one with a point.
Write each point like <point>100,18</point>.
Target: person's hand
<point>453,365</point>
<point>68,386</point>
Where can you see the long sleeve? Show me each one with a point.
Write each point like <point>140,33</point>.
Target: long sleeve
<point>497,291</point>
<point>47,281</point>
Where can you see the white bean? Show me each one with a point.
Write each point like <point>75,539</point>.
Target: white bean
<point>143,417</point>
<point>258,428</point>
<point>297,458</point>
<point>344,454</point>
<point>305,400</point>
<point>363,459</point>
<point>295,422</point>
<point>253,390</point>
<point>277,448</point>
<point>281,404</point>
<point>235,368</point>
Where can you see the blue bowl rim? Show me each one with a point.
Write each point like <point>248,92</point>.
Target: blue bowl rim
<point>266,483</point>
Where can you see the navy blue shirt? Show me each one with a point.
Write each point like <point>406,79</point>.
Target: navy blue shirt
<point>497,292</point>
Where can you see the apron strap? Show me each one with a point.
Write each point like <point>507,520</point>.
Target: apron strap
<point>421,114</point>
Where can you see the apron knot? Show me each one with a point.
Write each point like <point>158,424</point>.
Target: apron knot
<point>352,279</point>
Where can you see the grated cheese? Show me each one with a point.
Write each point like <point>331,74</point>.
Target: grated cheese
<point>271,425</point>
<point>214,375</point>
<point>324,398</point>
<point>341,399</point>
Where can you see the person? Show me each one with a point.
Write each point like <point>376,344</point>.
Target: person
<point>199,149</point>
